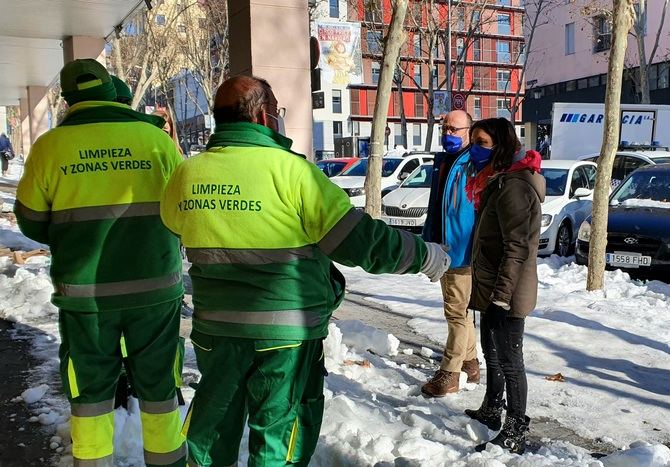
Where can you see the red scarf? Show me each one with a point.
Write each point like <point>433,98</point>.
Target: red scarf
<point>476,185</point>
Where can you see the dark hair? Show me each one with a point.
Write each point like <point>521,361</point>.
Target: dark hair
<point>505,142</point>
<point>247,106</point>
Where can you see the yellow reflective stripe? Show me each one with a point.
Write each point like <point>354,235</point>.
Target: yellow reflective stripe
<point>292,441</point>
<point>72,379</point>
<point>92,437</point>
<point>287,346</point>
<point>187,422</point>
<point>161,432</point>
<point>89,84</point>
<point>178,363</point>
<point>124,351</point>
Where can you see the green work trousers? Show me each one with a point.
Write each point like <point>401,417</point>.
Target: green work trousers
<point>276,384</point>
<point>90,356</point>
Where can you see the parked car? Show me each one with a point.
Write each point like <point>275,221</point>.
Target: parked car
<point>406,206</point>
<point>394,171</point>
<point>629,158</point>
<point>567,203</point>
<point>638,228</point>
<point>335,166</point>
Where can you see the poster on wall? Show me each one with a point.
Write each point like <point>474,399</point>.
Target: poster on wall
<point>441,104</point>
<point>340,45</point>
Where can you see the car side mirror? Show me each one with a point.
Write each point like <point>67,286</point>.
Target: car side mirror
<point>582,193</point>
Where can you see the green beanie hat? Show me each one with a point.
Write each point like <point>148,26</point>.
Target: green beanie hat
<point>86,80</point>
<point>123,93</point>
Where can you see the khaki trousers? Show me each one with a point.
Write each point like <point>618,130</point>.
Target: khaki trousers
<point>461,340</point>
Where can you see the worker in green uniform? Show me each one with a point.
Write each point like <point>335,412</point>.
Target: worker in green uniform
<point>261,226</point>
<point>91,190</point>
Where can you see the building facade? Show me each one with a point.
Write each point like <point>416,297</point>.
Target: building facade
<point>487,55</point>
<point>570,56</point>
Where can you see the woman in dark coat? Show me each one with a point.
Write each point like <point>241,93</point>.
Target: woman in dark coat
<point>508,194</point>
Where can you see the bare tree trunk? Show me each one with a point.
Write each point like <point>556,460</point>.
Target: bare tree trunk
<point>640,23</point>
<point>622,20</point>
<point>431,92</point>
<point>403,117</point>
<point>392,44</point>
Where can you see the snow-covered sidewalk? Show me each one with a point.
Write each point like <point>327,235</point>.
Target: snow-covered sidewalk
<point>612,348</point>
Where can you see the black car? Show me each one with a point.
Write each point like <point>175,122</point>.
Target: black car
<point>638,228</point>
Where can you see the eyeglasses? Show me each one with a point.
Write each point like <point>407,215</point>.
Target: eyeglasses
<point>453,129</point>
<point>281,111</point>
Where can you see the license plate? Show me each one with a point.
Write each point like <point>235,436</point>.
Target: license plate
<point>402,222</point>
<point>624,259</point>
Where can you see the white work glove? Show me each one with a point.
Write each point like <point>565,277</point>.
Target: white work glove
<point>436,263</point>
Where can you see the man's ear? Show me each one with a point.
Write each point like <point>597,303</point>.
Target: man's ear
<point>261,118</point>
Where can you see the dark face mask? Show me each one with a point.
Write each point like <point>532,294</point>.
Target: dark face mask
<point>452,144</point>
<point>480,156</point>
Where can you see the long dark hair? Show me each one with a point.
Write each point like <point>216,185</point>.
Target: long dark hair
<point>505,142</point>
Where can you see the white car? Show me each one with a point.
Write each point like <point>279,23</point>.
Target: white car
<point>627,159</point>
<point>406,206</point>
<point>567,203</point>
<point>394,171</point>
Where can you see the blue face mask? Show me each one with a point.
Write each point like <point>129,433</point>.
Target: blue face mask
<point>480,156</point>
<point>452,144</point>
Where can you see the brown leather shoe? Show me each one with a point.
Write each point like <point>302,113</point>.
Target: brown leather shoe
<point>471,368</point>
<point>444,382</point>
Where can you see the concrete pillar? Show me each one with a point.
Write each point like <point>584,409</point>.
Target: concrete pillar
<point>83,47</point>
<point>24,113</point>
<point>38,111</point>
<point>270,40</point>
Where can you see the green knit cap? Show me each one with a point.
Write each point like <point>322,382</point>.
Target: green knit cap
<point>86,80</point>
<point>123,93</point>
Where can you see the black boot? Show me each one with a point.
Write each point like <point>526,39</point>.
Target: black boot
<point>512,436</point>
<point>489,414</point>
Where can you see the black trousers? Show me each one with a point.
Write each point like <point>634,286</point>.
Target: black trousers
<point>5,162</point>
<point>502,343</point>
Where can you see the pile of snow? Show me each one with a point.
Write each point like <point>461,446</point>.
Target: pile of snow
<point>32,395</point>
<point>645,203</point>
<point>362,336</point>
<point>26,296</point>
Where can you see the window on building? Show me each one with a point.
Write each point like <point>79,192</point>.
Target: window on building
<point>503,77</point>
<point>337,101</point>
<point>594,81</point>
<point>376,70</point>
<point>504,25</point>
<point>337,129</point>
<point>417,45</point>
<point>476,50</point>
<point>459,47</point>
<point>503,52</point>
<point>435,78</point>
<point>571,85</point>
<point>417,74</point>
<point>460,75</point>
<point>475,23</point>
<point>569,38</point>
<point>652,71</point>
<point>373,11</point>
<point>418,105</point>
<point>397,134</point>
<point>476,77</point>
<point>477,113</point>
<point>160,20</point>
<point>334,8</point>
<point>602,34</point>
<point>461,19</point>
<point>636,7</point>
<point>503,2</point>
<point>416,134</point>
<point>374,39</point>
<point>663,75</point>
<point>582,83</point>
<point>355,102</point>
<point>503,109</point>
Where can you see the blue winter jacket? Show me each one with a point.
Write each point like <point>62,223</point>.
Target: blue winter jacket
<point>451,216</point>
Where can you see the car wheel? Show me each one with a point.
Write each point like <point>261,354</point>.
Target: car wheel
<point>564,240</point>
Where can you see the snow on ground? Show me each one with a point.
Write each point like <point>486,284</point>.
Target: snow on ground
<point>611,347</point>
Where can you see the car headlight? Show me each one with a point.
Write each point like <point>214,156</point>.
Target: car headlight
<point>584,233</point>
<point>356,191</point>
<point>546,220</point>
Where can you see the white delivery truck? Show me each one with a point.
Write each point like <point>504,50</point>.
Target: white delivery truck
<point>577,128</point>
